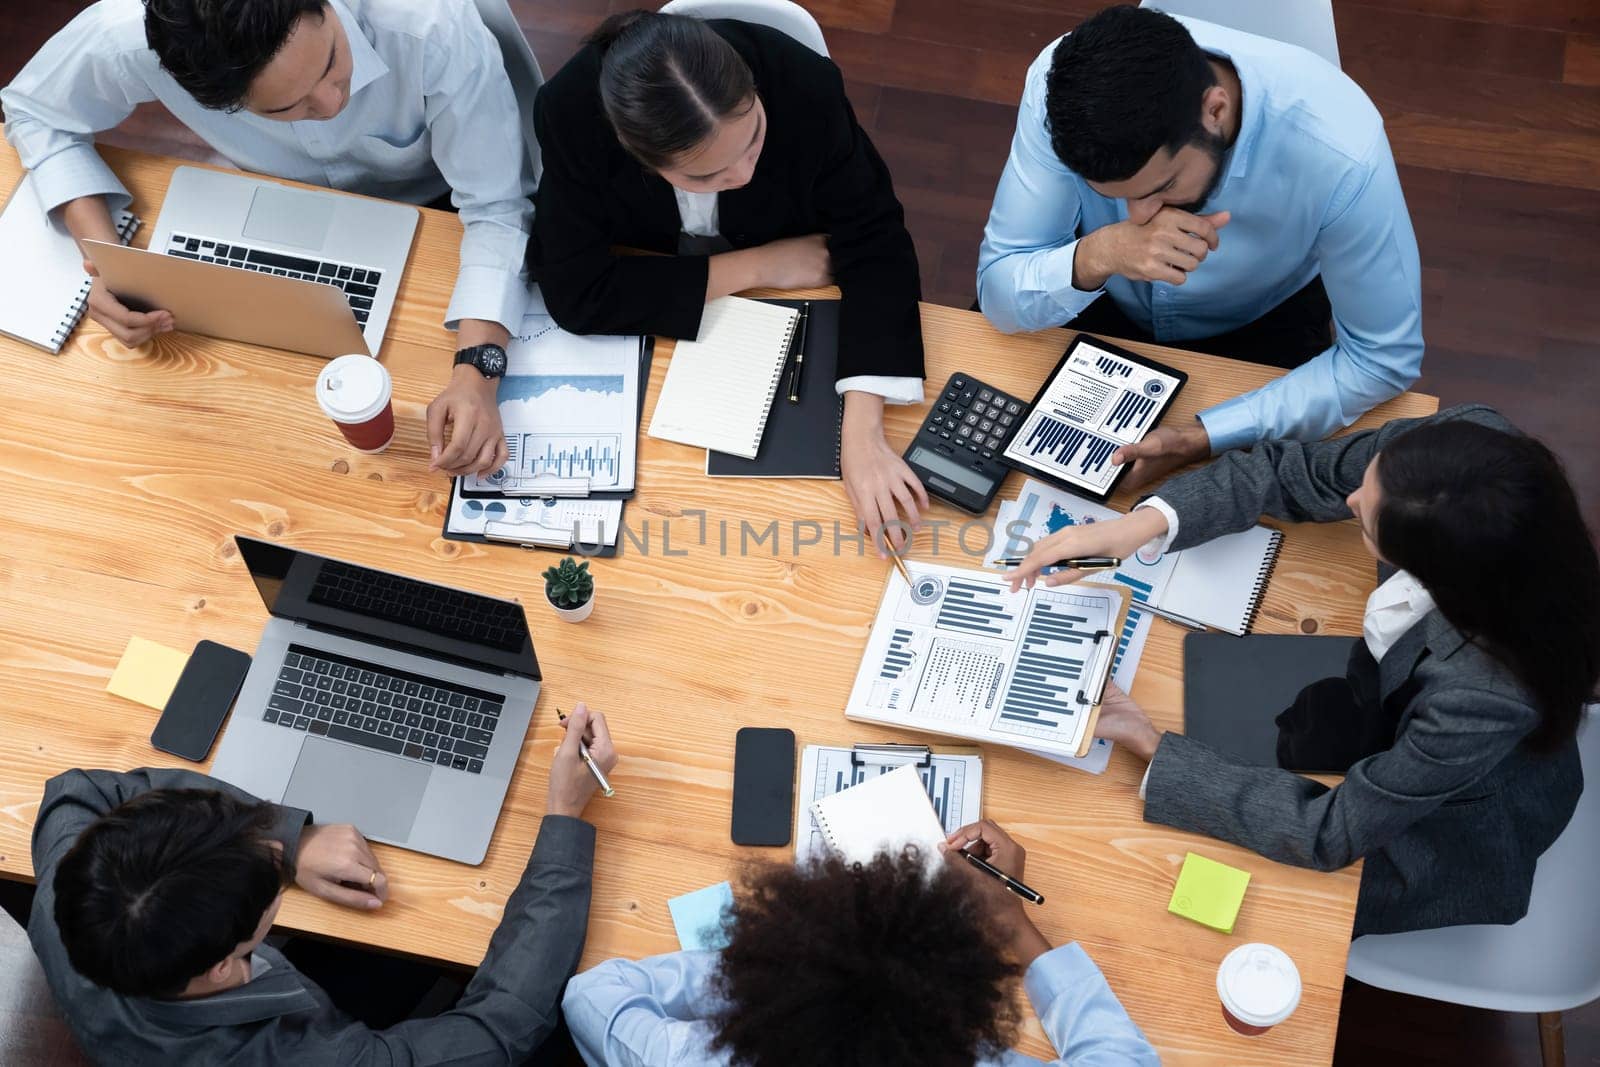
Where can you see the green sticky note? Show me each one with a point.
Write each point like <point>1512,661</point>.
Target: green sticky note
<point>1209,892</point>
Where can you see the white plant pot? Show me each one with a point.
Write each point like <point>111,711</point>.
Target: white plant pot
<point>577,614</point>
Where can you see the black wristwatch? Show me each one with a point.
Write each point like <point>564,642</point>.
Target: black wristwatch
<point>490,360</point>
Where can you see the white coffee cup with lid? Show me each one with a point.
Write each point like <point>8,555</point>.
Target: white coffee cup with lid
<point>1259,986</point>
<point>355,391</point>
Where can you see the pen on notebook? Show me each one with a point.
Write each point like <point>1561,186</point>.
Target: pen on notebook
<point>799,353</point>
<point>1086,563</point>
<point>588,761</point>
<point>1009,882</point>
<point>1171,616</point>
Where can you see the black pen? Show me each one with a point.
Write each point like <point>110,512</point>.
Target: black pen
<point>1010,883</point>
<point>799,352</point>
<point>1087,563</point>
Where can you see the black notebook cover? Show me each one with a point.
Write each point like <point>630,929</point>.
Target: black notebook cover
<point>1234,687</point>
<point>801,440</point>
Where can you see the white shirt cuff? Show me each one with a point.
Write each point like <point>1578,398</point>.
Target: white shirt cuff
<point>894,390</point>
<point>1160,544</point>
<point>1144,782</point>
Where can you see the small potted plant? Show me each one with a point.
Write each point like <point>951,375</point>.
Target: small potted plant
<point>570,589</point>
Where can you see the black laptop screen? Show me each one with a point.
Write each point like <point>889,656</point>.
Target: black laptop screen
<point>390,608</point>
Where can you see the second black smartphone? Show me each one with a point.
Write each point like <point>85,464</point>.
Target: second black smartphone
<point>763,786</point>
<point>200,701</point>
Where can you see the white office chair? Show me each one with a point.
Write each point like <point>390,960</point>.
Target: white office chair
<point>783,15</point>
<point>522,66</point>
<point>1307,23</point>
<point>1546,963</point>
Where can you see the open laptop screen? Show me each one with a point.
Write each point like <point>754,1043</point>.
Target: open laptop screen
<point>390,608</point>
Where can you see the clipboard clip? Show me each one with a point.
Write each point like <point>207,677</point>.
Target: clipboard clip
<point>1100,693</point>
<point>892,754</point>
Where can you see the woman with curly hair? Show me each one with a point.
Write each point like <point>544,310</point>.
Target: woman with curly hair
<point>904,960</point>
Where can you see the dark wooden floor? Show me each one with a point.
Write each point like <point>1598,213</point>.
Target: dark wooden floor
<point>1493,110</point>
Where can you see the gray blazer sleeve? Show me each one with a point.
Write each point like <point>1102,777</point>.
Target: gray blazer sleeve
<point>1456,737</point>
<point>1291,480</point>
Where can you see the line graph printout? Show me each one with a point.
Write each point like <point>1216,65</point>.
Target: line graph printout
<point>958,653</point>
<point>570,409</point>
<point>1097,402</point>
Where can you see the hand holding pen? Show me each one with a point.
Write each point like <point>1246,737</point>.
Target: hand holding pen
<point>581,763</point>
<point>991,850</point>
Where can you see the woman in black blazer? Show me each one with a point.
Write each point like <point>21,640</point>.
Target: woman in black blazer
<point>731,149</point>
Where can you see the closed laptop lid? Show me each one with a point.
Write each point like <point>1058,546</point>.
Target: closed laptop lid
<point>391,609</point>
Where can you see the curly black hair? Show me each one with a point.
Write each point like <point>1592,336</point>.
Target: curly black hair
<point>215,48</point>
<point>837,964</point>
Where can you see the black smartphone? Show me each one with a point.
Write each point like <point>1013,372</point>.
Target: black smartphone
<point>200,701</point>
<point>763,786</point>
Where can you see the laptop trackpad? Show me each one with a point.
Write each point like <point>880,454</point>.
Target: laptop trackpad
<point>288,217</point>
<point>344,783</point>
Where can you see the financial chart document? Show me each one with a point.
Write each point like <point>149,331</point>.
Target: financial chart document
<point>1094,405</point>
<point>957,652</point>
<point>953,782</point>
<point>569,406</point>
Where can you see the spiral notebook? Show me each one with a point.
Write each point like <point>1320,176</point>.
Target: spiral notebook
<point>719,387</point>
<point>1221,582</point>
<point>886,812</point>
<point>43,288</point>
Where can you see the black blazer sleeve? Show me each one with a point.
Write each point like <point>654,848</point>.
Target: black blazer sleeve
<point>587,287</point>
<point>874,261</point>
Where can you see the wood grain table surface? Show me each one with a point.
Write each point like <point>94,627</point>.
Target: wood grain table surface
<point>129,471</point>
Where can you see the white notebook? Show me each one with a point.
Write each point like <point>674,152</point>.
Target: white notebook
<point>1221,582</point>
<point>886,812</point>
<point>719,387</point>
<point>43,288</point>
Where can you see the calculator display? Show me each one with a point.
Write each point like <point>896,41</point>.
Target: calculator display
<point>963,476</point>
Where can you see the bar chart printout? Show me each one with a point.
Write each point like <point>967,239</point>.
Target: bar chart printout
<point>1065,635</point>
<point>953,781</point>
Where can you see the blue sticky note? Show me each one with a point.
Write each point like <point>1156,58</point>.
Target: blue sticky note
<point>697,916</point>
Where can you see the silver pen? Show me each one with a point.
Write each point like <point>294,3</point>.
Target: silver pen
<point>1171,616</point>
<point>588,761</point>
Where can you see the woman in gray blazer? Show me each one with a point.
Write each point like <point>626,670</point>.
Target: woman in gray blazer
<point>1455,723</point>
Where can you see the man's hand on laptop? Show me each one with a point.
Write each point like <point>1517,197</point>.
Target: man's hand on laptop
<point>571,784</point>
<point>132,328</point>
<point>336,863</point>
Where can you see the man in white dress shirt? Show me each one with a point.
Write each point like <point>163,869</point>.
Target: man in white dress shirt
<point>397,99</point>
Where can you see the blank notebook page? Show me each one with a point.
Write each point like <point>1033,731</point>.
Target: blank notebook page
<point>719,387</point>
<point>889,811</point>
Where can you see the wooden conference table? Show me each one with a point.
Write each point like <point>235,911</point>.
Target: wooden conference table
<point>128,472</point>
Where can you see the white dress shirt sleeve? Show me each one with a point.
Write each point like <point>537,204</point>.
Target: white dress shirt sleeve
<point>476,132</point>
<point>893,390</point>
<point>1368,253</point>
<point>1164,542</point>
<point>645,1013</point>
<point>1081,1015</point>
<point>1029,244</point>
<point>87,78</point>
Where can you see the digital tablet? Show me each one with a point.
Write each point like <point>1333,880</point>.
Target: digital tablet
<point>1098,398</point>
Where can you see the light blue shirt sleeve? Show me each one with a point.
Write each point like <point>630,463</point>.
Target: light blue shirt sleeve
<point>82,81</point>
<point>1367,251</point>
<point>1081,1015</point>
<point>1025,260</point>
<point>624,1013</point>
<point>477,136</point>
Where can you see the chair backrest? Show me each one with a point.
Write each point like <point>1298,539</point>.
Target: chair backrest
<point>1547,961</point>
<point>783,15</point>
<point>32,1029</point>
<point>522,66</point>
<point>1307,23</point>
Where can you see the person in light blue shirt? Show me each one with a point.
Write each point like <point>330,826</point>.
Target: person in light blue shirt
<point>835,964</point>
<point>391,98</point>
<point>1175,181</point>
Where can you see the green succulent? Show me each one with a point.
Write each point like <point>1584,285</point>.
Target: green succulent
<point>569,584</point>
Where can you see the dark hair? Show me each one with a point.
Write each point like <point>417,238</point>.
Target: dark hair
<point>164,886</point>
<point>1466,508</point>
<point>1123,85</point>
<point>215,48</point>
<point>666,81</point>
<point>838,964</point>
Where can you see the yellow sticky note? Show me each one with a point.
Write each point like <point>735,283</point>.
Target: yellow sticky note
<point>147,672</point>
<point>1209,892</point>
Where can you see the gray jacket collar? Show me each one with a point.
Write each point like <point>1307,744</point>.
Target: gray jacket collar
<point>274,990</point>
<point>1433,634</point>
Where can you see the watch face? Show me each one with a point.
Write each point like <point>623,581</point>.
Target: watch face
<point>492,361</point>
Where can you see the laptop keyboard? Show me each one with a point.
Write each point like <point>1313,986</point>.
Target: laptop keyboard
<point>359,284</point>
<point>403,714</point>
<point>394,598</point>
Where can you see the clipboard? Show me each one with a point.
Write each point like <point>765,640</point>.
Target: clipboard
<point>953,777</point>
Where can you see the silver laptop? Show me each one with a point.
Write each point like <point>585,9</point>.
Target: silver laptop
<point>384,701</point>
<point>255,224</point>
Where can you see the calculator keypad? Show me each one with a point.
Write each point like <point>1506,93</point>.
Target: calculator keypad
<point>975,416</point>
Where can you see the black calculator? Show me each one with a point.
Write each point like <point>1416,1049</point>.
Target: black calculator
<point>957,451</point>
